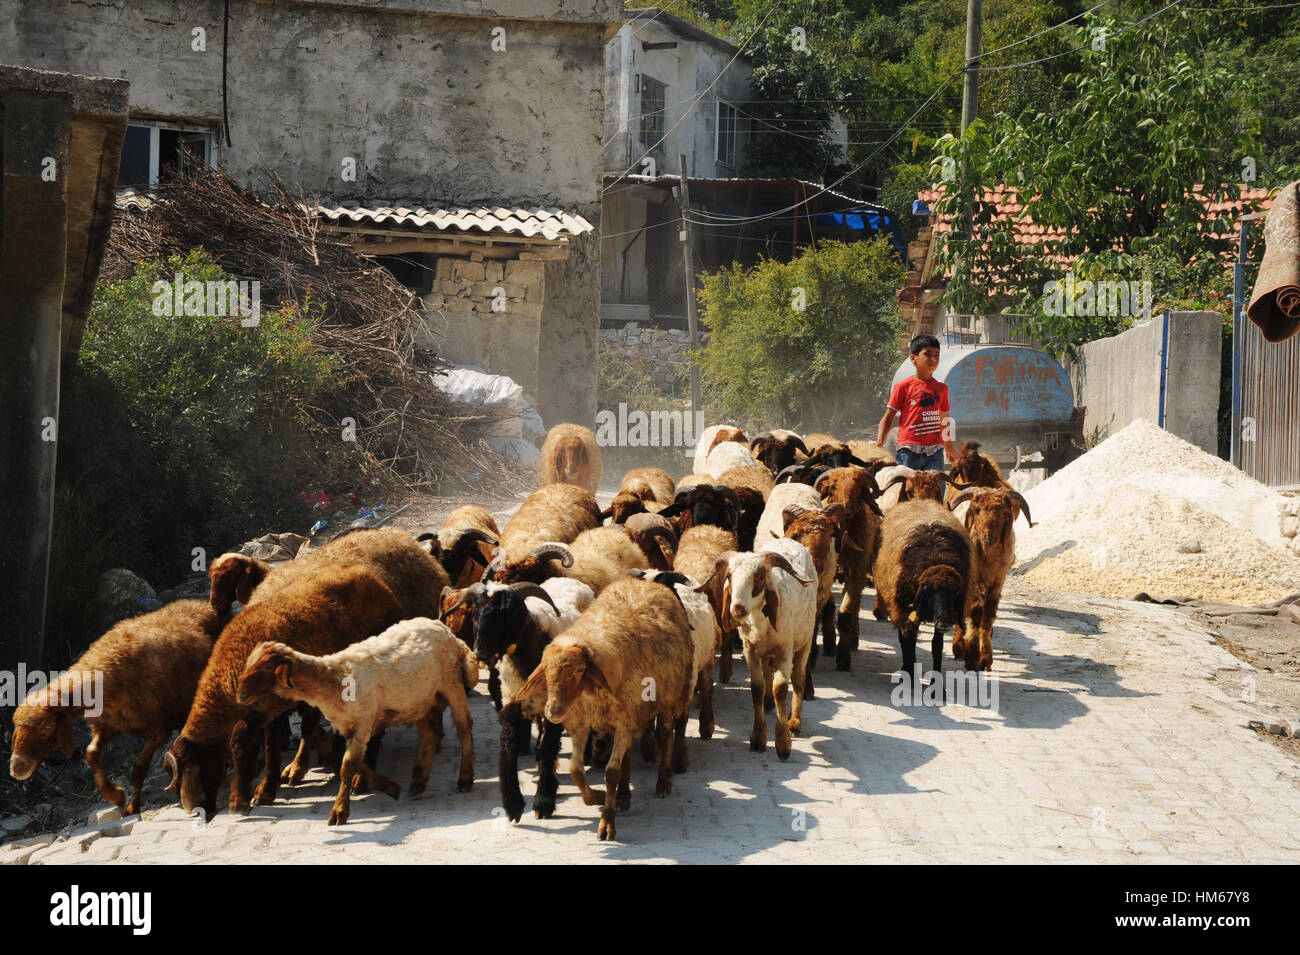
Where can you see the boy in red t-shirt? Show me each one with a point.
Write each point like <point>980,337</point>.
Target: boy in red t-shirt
<point>924,433</point>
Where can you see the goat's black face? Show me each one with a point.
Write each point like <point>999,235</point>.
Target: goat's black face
<point>942,606</point>
<point>498,620</point>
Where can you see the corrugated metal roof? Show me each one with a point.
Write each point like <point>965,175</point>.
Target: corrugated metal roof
<point>536,222</point>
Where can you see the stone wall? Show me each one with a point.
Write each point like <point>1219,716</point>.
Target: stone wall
<point>664,348</point>
<point>462,326</point>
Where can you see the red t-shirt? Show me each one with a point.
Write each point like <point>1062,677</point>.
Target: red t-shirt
<point>921,406</point>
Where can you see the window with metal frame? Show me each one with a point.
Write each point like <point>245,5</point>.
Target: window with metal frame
<point>654,96</point>
<point>728,127</point>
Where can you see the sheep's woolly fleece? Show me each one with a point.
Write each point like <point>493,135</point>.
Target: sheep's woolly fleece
<point>1147,511</point>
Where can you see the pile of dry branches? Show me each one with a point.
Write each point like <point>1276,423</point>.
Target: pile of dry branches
<point>411,434</point>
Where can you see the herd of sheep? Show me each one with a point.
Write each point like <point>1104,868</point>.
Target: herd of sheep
<point>606,632</point>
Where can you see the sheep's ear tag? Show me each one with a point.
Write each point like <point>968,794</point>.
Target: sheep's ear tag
<point>913,617</point>
<point>511,649</point>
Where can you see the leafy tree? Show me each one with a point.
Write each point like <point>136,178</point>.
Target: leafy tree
<point>811,343</point>
<point>1121,172</point>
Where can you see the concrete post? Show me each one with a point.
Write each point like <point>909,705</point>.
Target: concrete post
<point>33,234</point>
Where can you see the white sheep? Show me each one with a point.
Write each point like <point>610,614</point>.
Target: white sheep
<point>393,679</point>
<point>770,596</point>
<point>725,456</point>
<point>710,438</point>
<point>772,525</point>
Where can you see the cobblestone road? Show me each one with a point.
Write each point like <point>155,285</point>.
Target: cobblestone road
<point>1113,741</point>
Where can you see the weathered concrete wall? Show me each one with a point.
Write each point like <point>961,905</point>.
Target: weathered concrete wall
<point>566,365</point>
<point>422,102</point>
<point>1118,379</point>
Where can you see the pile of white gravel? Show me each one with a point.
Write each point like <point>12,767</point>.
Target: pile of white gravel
<point>1147,511</point>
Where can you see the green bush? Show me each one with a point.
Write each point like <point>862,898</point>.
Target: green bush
<point>181,432</point>
<point>826,366</point>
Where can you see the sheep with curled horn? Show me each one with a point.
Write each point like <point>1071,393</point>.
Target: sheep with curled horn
<point>989,520</point>
<point>921,486</point>
<point>776,449</point>
<point>704,504</point>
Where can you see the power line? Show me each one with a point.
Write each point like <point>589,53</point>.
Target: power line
<point>1080,49</point>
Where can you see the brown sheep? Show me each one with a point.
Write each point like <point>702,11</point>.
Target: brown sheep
<point>691,480</point>
<point>570,455</point>
<point>654,535</point>
<point>990,519</point>
<point>697,552</point>
<point>759,478</point>
<point>337,606</point>
<point>870,451</point>
<point>923,572</point>
<point>853,488</point>
<point>593,678</point>
<point>652,485</point>
<point>922,486</point>
<point>141,676</point>
<point>624,505</point>
<point>603,555</point>
<point>557,512</point>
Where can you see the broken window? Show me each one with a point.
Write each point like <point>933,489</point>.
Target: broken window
<point>156,152</point>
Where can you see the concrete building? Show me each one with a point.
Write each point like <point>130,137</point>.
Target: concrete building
<point>461,141</point>
<point>674,90</point>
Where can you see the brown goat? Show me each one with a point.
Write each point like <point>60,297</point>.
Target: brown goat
<point>870,451</point>
<point>557,512</point>
<point>853,489</point>
<point>624,505</point>
<point>337,606</point>
<point>147,669</point>
<point>974,468</point>
<point>989,521</point>
<point>570,455</point>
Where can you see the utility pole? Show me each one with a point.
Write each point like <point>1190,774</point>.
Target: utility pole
<point>969,107</point>
<point>688,251</point>
<point>970,92</point>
